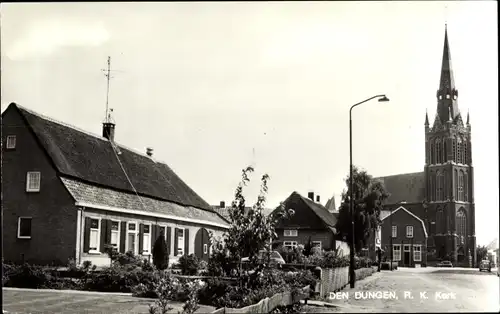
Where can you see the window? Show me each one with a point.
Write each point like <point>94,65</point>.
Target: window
<point>316,244</point>
<point>460,222</point>
<point>146,240</point>
<point>432,152</point>
<point>461,185</point>
<point>454,149</point>
<point>417,253</point>
<point>466,187</point>
<point>396,249</point>
<point>406,248</point>
<point>394,231</point>
<point>115,234</point>
<point>95,234</point>
<point>290,244</point>
<point>11,142</point>
<point>290,233</point>
<point>438,151</point>
<point>180,241</point>
<point>459,151</point>
<point>205,248</point>
<point>440,183</point>
<point>445,151</point>
<point>33,181</point>
<point>132,244</point>
<point>24,228</point>
<point>409,231</point>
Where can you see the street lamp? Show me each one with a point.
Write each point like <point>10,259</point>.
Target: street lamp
<point>381,98</point>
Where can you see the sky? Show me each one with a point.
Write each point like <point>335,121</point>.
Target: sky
<point>213,87</point>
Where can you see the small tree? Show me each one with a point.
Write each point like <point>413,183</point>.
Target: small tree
<point>368,196</point>
<point>308,248</point>
<point>160,253</point>
<point>250,229</point>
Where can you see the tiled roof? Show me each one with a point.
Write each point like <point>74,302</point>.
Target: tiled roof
<point>91,194</point>
<point>407,187</point>
<point>92,159</point>
<point>321,211</point>
<point>224,212</point>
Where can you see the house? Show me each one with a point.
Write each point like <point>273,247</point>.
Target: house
<point>442,195</point>
<point>402,234</point>
<point>310,221</point>
<point>70,194</point>
<point>223,210</point>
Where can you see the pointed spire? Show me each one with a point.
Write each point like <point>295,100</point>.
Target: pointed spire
<point>450,119</point>
<point>426,118</point>
<point>468,119</point>
<point>447,93</point>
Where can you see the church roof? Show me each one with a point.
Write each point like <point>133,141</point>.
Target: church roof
<point>406,187</point>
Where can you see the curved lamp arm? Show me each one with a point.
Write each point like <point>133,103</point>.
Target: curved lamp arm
<point>382,99</point>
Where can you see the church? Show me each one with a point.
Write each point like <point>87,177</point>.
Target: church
<point>441,197</point>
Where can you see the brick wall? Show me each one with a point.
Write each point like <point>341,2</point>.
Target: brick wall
<point>53,213</point>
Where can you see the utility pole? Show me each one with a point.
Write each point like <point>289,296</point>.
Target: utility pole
<point>108,77</point>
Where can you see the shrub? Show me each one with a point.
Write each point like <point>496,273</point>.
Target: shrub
<point>191,304</point>
<point>362,262</point>
<point>189,264</point>
<point>214,289</point>
<point>28,276</point>
<point>165,291</point>
<point>160,253</point>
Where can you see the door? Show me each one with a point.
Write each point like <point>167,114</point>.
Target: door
<point>202,244</point>
<point>406,256</point>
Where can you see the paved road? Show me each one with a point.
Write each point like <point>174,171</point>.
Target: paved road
<point>53,301</point>
<point>426,290</point>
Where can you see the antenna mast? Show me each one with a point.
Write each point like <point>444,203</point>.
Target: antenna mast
<point>108,76</point>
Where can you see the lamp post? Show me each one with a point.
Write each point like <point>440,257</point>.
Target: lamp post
<point>381,98</point>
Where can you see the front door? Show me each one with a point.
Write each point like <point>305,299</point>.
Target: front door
<point>406,256</point>
<point>202,244</point>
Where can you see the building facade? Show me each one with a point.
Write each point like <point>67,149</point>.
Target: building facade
<point>68,194</point>
<point>443,194</point>
<point>311,221</point>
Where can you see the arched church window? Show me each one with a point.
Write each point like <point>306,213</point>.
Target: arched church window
<point>454,149</point>
<point>431,152</point>
<point>439,192</point>
<point>461,223</point>
<point>445,151</point>
<point>466,187</point>
<point>455,183</point>
<point>461,185</point>
<point>447,96</point>
<point>459,151</point>
<point>465,158</point>
<point>438,151</point>
<point>445,187</point>
<point>439,221</point>
<point>433,189</point>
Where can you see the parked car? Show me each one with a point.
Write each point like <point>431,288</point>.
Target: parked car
<point>485,265</point>
<point>276,258</point>
<point>444,264</point>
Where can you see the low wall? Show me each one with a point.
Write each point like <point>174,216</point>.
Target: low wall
<point>336,279</point>
<point>267,305</point>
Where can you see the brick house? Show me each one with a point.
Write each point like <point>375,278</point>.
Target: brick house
<point>403,234</point>
<point>311,221</point>
<point>69,194</point>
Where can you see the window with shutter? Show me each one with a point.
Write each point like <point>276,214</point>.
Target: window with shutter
<point>146,240</point>
<point>132,233</point>
<point>180,241</point>
<point>95,235</point>
<point>115,234</point>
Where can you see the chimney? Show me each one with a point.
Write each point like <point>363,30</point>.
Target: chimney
<point>149,151</point>
<point>222,204</point>
<point>310,195</point>
<point>108,131</point>
<point>317,198</point>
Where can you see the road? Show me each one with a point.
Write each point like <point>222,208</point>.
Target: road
<point>69,302</point>
<point>423,290</point>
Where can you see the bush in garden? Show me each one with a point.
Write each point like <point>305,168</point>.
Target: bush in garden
<point>28,276</point>
<point>214,289</point>
<point>165,290</point>
<point>160,253</point>
<point>192,303</point>
<point>308,248</point>
<point>189,264</point>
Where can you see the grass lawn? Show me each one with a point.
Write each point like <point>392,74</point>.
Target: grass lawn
<point>50,301</point>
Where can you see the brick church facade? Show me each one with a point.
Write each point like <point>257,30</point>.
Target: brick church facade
<point>442,196</point>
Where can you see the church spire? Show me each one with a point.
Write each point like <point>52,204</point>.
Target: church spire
<point>426,119</point>
<point>447,93</point>
<point>468,117</point>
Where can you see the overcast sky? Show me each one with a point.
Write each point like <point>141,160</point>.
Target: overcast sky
<point>215,86</point>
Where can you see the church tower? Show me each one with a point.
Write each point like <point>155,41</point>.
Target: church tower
<point>449,174</point>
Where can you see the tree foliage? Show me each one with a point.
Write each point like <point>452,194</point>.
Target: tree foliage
<point>160,253</point>
<point>368,195</point>
<point>481,253</point>
<point>250,229</point>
